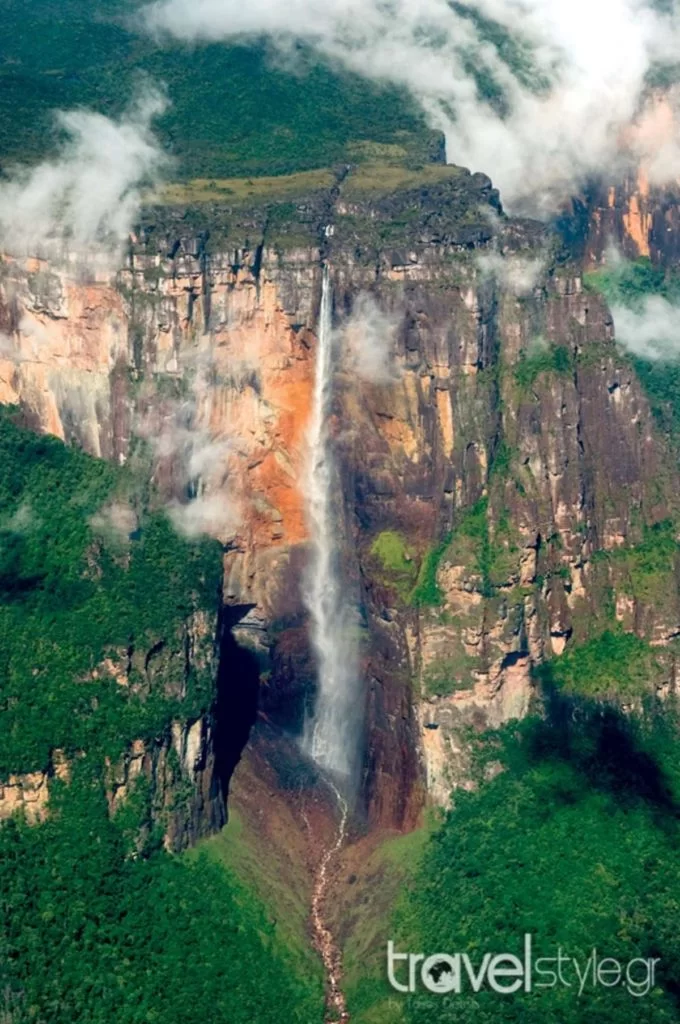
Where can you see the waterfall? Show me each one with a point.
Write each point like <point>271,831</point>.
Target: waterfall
<point>330,733</point>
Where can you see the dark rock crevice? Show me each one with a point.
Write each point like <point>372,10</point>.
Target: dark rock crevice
<point>238,686</point>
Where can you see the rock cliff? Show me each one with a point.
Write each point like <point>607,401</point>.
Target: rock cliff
<point>181,770</point>
<point>483,483</point>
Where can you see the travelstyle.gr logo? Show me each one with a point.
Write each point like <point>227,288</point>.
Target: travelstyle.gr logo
<point>505,973</point>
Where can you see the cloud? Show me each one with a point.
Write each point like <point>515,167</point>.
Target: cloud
<point>571,74</point>
<point>654,136</point>
<point>516,274</point>
<point>90,193</point>
<point>652,331</point>
<point>207,515</point>
<point>115,521</point>
<point>21,521</point>
<point>367,341</point>
<point>186,447</point>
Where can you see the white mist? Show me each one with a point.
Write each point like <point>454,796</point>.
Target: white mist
<point>331,733</point>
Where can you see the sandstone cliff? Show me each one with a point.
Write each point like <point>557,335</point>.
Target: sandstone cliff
<point>180,773</point>
<point>511,446</point>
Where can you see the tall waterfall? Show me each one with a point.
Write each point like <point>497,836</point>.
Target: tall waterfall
<point>330,734</point>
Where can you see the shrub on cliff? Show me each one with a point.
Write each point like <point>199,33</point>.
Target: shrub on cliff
<point>555,359</point>
<point>614,666</point>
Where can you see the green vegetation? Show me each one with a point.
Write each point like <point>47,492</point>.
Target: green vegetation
<point>70,598</point>
<point>381,177</point>
<point>278,880</point>
<point>247,190</point>
<point>427,593</point>
<point>391,548</point>
<point>447,675</point>
<point>575,842</point>
<point>96,930</point>
<point>233,109</point>
<point>553,359</point>
<point>251,190</point>
<point>472,544</point>
<point>365,915</point>
<point>629,284</point>
<point>397,562</point>
<point>98,924</point>
<point>614,665</point>
<point>661,382</point>
<point>501,462</point>
<point>515,53</point>
<point>648,568</point>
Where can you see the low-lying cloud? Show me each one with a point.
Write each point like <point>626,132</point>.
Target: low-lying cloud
<point>571,75</point>
<point>518,275</point>
<point>652,331</point>
<point>367,341</point>
<point>186,449</point>
<point>89,194</point>
<point>210,515</point>
<point>115,522</point>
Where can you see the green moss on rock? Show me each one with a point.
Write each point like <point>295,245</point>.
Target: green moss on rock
<point>398,568</point>
<point>557,360</point>
<point>647,570</point>
<point>427,592</point>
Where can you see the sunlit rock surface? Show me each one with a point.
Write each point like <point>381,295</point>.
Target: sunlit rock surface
<point>218,308</point>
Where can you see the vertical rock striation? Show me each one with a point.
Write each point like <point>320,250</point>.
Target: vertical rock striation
<point>513,447</point>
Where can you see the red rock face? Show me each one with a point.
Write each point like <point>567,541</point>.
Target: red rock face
<point>61,342</point>
<point>639,218</point>
<point>568,461</point>
<point>85,360</point>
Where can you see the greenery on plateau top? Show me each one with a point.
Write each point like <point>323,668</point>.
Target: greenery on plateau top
<point>234,109</point>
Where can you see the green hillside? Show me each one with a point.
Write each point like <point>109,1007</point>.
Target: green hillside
<point>233,110</point>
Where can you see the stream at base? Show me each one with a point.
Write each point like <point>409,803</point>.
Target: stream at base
<point>336,1004</point>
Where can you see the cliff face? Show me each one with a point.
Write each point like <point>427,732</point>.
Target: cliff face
<point>510,446</point>
<point>180,770</point>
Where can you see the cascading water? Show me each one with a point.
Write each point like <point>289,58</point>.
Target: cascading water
<point>330,734</point>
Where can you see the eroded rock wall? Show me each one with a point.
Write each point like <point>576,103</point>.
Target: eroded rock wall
<point>179,773</point>
<point>511,446</point>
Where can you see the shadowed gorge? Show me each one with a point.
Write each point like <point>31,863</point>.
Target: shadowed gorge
<point>237,689</point>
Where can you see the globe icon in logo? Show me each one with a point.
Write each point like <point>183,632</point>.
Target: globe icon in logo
<point>440,976</point>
